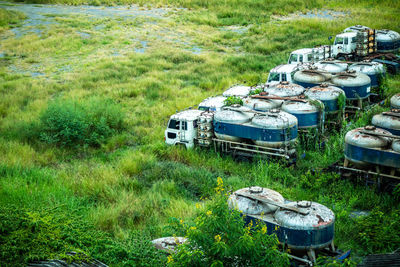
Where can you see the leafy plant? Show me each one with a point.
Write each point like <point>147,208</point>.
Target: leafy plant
<point>233,100</point>
<point>68,123</point>
<point>256,91</point>
<point>28,236</point>
<point>218,236</point>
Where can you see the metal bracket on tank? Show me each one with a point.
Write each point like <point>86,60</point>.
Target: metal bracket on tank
<point>263,200</point>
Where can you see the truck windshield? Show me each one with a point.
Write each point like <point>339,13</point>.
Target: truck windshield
<point>173,124</point>
<point>339,40</point>
<point>293,58</point>
<point>273,77</point>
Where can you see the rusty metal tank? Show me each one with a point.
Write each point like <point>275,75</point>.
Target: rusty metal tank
<point>356,85</point>
<point>396,146</point>
<point>261,104</point>
<point>332,66</point>
<point>301,225</point>
<point>308,112</point>
<point>274,129</point>
<point>361,145</point>
<point>374,70</point>
<point>168,244</point>
<point>214,103</point>
<point>311,77</point>
<point>395,101</point>
<point>227,120</point>
<point>237,90</point>
<point>327,94</point>
<point>388,41</point>
<point>389,121</point>
<point>249,206</point>
<point>284,89</point>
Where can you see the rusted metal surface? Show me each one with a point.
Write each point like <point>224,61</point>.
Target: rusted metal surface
<point>273,203</point>
<point>314,215</point>
<point>299,98</point>
<point>243,200</point>
<point>168,244</point>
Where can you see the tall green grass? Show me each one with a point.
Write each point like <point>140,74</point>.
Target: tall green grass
<point>132,186</point>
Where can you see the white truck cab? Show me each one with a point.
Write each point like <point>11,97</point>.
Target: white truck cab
<point>182,128</point>
<point>282,73</point>
<point>303,55</point>
<point>345,43</point>
<point>309,55</point>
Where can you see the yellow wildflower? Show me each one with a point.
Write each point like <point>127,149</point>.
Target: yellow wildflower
<point>197,205</point>
<point>193,228</point>
<point>170,259</point>
<point>181,221</point>
<point>264,229</point>
<point>209,213</point>
<point>217,238</point>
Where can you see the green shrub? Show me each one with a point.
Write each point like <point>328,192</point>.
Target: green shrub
<point>218,237</point>
<point>27,236</point>
<point>379,232</point>
<point>67,123</point>
<point>233,100</point>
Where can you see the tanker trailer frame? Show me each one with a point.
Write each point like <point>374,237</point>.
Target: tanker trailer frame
<point>242,151</point>
<point>385,177</point>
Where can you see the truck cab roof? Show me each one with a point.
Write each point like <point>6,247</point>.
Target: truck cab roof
<point>347,34</point>
<point>302,51</point>
<point>187,115</point>
<point>285,68</point>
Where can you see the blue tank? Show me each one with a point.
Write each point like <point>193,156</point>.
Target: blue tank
<point>374,70</point>
<point>311,229</point>
<point>395,101</point>
<point>270,129</point>
<point>311,77</point>
<point>307,112</point>
<point>389,121</point>
<point>364,147</point>
<point>327,94</point>
<point>388,41</point>
<point>356,85</point>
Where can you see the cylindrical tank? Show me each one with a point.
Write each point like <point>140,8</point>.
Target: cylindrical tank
<point>356,28</point>
<point>389,121</point>
<point>331,66</point>
<point>357,144</point>
<point>237,90</point>
<point>301,225</point>
<point>278,128</point>
<point>327,94</point>
<point>307,112</point>
<point>284,89</point>
<point>311,77</point>
<point>319,219</point>
<point>388,41</point>
<point>356,85</point>
<point>374,70</point>
<point>168,244</point>
<point>249,206</point>
<point>395,101</point>
<point>396,146</point>
<point>229,118</point>
<point>261,104</point>
<point>212,103</point>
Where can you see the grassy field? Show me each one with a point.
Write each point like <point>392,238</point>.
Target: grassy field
<point>109,200</point>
